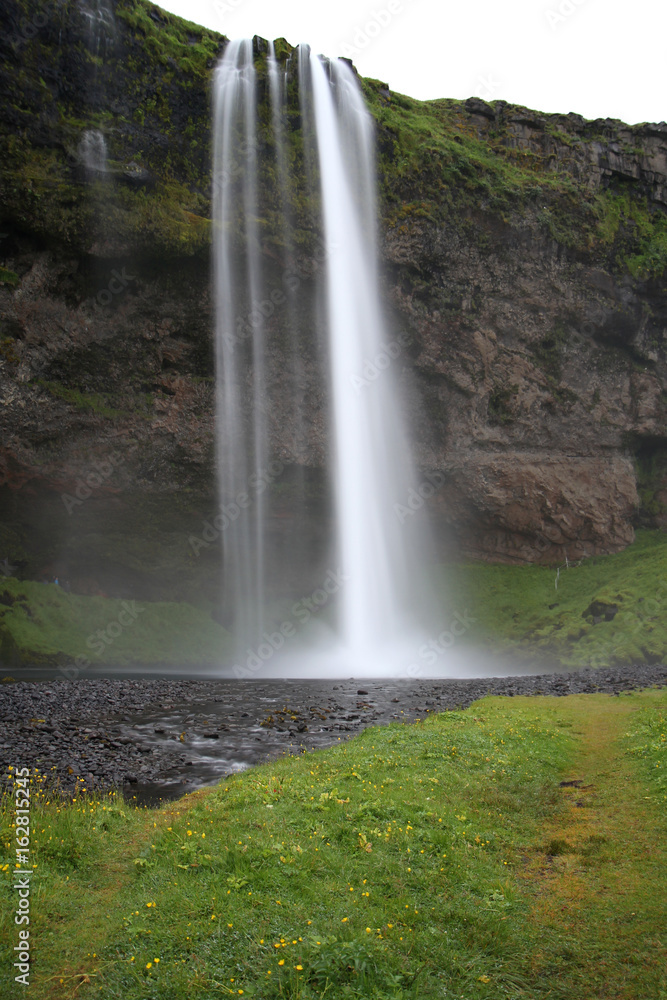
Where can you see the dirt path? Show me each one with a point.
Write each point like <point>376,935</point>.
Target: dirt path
<point>594,876</point>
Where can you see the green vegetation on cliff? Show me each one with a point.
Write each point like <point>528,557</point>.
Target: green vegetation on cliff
<point>431,151</point>
<point>145,84</point>
<point>96,403</point>
<point>436,163</point>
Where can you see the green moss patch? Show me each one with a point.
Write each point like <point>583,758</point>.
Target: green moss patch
<point>8,277</point>
<point>84,402</point>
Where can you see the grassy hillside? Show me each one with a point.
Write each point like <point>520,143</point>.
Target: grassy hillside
<point>435,165</point>
<point>608,610</point>
<point>42,625</point>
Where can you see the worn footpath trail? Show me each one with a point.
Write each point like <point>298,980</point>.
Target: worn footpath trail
<point>600,924</point>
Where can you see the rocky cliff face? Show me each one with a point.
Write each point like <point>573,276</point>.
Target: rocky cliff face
<point>544,385</point>
<point>524,261</point>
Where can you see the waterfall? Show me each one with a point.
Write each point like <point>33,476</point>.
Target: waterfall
<point>369,440</point>
<point>92,153</point>
<point>241,436</point>
<point>369,466</point>
<point>101,22</point>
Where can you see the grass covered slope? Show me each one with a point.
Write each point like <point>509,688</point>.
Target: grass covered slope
<point>42,625</point>
<point>609,610</point>
<point>413,861</point>
<point>436,163</point>
<point>143,82</point>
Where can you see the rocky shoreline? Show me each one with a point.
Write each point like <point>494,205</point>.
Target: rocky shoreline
<point>161,738</point>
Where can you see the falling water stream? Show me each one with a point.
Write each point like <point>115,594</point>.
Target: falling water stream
<point>369,456</point>
<point>92,153</point>
<point>241,440</point>
<point>369,466</point>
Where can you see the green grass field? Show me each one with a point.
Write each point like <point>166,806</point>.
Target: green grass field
<point>442,859</point>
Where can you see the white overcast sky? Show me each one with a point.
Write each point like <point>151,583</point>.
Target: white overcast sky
<point>599,58</point>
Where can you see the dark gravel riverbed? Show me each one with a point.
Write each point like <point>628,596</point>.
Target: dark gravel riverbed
<point>161,738</point>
